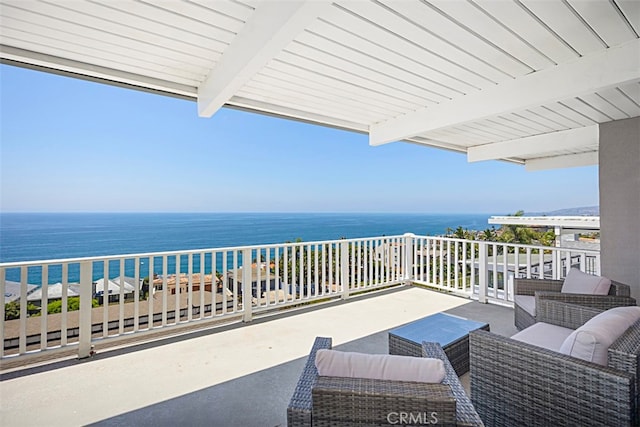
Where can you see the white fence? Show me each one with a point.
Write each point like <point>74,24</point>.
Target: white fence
<point>55,305</point>
<point>486,270</point>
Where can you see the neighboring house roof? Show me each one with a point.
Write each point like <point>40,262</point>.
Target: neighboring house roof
<point>127,280</point>
<point>184,279</point>
<point>12,291</point>
<point>113,286</point>
<point>256,271</point>
<point>54,292</point>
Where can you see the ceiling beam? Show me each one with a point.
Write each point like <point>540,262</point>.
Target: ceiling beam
<point>537,144</point>
<point>561,162</point>
<point>271,27</point>
<point>57,65</point>
<point>287,113</point>
<point>603,69</point>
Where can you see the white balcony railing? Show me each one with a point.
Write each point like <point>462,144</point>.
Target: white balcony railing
<point>77,303</point>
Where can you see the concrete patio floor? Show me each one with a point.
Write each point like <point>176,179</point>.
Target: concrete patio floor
<point>238,375</point>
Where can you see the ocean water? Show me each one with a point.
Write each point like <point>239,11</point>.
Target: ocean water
<point>39,236</point>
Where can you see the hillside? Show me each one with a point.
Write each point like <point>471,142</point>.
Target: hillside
<point>581,211</point>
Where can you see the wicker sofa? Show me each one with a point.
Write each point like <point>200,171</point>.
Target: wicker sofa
<point>550,290</point>
<point>514,383</point>
<point>325,401</point>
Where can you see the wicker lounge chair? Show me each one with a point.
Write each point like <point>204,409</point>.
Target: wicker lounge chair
<point>514,383</point>
<point>550,290</point>
<point>320,401</point>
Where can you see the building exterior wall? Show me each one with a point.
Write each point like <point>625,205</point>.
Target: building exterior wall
<point>620,202</point>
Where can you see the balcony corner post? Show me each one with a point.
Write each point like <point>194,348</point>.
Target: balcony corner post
<point>86,297</point>
<point>344,269</point>
<point>407,278</point>
<point>483,272</point>
<point>247,294</point>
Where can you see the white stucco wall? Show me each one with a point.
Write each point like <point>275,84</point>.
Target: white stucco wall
<point>620,202</point>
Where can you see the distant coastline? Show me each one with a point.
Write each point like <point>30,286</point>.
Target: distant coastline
<point>581,211</point>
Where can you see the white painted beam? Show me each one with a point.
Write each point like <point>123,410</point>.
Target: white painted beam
<point>537,144</point>
<point>44,62</point>
<point>271,27</point>
<point>561,162</point>
<point>287,113</point>
<point>603,69</point>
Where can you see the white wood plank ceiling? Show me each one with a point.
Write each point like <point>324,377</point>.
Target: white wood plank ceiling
<point>523,80</point>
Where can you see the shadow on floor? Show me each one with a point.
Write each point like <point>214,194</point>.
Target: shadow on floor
<point>261,398</point>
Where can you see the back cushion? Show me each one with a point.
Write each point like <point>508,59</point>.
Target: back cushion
<point>334,363</point>
<point>578,282</point>
<point>592,340</point>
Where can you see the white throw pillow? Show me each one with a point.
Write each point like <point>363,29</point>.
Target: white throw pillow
<point>578,282</point>
<point>592,340</point>
<point>334,363</point>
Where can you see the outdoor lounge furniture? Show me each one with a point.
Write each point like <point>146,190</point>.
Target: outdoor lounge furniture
<point>322,400</point>
<point>514,383</point>
<point>451,332</point>
<point>528,293</point>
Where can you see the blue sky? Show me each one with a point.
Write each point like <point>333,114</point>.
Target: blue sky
<point>69,145</point>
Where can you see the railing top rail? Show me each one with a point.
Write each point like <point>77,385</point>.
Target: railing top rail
<point>15,264</point>
<point>518,245</point>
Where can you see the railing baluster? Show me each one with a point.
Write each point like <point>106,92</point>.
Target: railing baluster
<point>23,310</point>
<point>310,285</point>
<point>136,294</point>
<point>177,288</point>
<point>494,265</point>
<point>342,250</point>
<point>276,262</point>
<point>190,287</point>
<point>505,272</point>
<point>472,267</point>
<point>86,296</point>
<point>44,308</point>
<point>151,288</point>
<point>483,270</point>
<point>330,272</point>
<point>105,299</point>
<point>64,305</point>
<point>316,271</point>
<point>235,283</point>
<point>247,303</point>
<point>303,287</point>
<point>296,285</point>
<point>456,265</point>
<point>371,262</point>
<point>121,298</point>
<point>165,290</point>
<point>441,278</point>
<point>203,284</point>
<point>225,286</point>
<point>464,266</point>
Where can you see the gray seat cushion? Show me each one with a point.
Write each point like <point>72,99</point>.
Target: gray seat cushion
<point>544,335</point>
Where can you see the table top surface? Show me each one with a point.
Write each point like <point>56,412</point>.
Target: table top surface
<point>440,327</point>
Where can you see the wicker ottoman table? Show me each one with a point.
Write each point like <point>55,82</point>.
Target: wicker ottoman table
<point>451,332</point>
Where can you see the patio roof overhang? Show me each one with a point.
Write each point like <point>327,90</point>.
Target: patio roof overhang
<point>524,81</point>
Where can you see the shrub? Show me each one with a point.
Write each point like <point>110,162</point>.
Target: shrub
<point>73,304</point>
<point>12,310</point>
